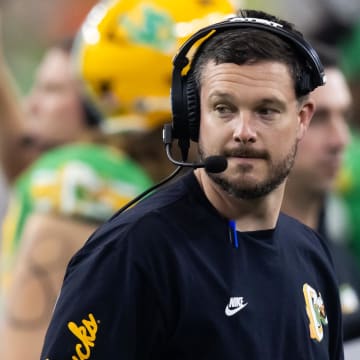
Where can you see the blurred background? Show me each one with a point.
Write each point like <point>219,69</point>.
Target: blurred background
<point>29,26</point>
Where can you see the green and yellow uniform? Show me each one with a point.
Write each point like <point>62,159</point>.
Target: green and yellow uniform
<point>85,181</point>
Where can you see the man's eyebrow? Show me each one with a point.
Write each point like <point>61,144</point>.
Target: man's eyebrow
<point>272,101</point>
<point>221,95</point>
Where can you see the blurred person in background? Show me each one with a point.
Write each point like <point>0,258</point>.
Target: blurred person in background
<point>348,184</point>
<point>309,193</point>
<point>337,24</point>
<point>122,57</point>
<point>141,41</point>
<point>65,185</point>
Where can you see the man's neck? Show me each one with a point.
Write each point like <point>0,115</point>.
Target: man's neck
<point>250,215</point>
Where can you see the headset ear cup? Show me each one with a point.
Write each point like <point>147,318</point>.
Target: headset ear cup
<point>193,107</point>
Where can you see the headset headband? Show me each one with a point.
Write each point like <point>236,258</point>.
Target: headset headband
<point>262,24</point>
<point>184,97</point>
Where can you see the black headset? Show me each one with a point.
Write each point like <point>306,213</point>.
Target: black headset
<point>184,93</point>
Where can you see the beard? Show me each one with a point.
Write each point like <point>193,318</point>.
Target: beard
<point>278,172</point>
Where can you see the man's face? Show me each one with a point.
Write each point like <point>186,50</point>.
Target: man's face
<point>321,150</point>
<point>53,111</point>
<point>249,113</point>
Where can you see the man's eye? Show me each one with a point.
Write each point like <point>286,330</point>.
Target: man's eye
<point>223,109</point>
<point>268,112</point>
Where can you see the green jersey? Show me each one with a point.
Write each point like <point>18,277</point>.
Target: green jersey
<point>85,181</point>
<point>348,187</point>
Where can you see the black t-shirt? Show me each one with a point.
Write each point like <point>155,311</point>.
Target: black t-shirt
<point>166,280</point>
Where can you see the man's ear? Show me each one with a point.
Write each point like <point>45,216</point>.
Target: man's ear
<point>305,114</point>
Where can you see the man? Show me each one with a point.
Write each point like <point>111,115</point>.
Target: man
<point>207,268</point>
<point>312,179</point>
<point>79,180</point>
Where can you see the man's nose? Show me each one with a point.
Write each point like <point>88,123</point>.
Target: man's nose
<point>244,130</point>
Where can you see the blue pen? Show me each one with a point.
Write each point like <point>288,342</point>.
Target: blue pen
<point>232,225</point>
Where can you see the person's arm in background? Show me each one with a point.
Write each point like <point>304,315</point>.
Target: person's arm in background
<point>48,243</point>
<point>71,190</point>
<point>15,156</point>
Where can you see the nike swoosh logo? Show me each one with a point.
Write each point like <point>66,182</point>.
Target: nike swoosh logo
<point>233,311</point>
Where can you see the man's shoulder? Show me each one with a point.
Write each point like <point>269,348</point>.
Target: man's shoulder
<point>166,202</point>
<point>155,216</point>
<point>141,232</point>
<point>287,221</point>
<point>302,236</point>
<point>297,230</point>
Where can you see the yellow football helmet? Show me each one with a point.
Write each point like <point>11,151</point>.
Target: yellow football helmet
<point>123,54</point>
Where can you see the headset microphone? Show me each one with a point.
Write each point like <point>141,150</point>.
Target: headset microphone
<point>213,164</point>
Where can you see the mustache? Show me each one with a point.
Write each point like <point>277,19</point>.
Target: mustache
<point>246,152</point>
